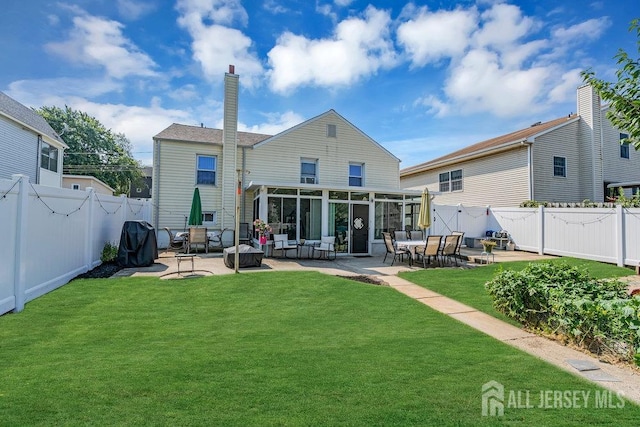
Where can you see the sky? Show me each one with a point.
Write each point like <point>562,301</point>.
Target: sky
<point>421,78</point>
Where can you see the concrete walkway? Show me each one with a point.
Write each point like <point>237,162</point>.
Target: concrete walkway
<point>617,378</point>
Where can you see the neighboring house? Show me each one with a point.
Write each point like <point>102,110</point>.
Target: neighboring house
<point>569,159</point>
<point>28,145</point>
<point>81,182</point>
<point>323,177</point>
<point>142,189</point>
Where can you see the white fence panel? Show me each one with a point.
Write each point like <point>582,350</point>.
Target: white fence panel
<point>522,225</point>
<point>56,219</point>
<point>8,219</point>
<point>54,234</point>
<point>444,220</point>
<point>588,233</point>
<point>473,220</point>
<point>632,236</point>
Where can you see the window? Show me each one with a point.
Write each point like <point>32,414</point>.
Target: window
<point>450,181</point>
<point>624,146</point>
<point>206,170</point>
<point>444,182</point>
<point>49,157</point>
<point>456,180</point>
<point>308,171</point>
<point>210,218</point>
<point>559,166</point>
<point>332,131</point>
<point>388,217</point>
<point>75,186</point>
<point>356,174</point>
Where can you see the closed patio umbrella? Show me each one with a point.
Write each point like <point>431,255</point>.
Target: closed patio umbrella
<point>195,217</point>
<point>424,217</point>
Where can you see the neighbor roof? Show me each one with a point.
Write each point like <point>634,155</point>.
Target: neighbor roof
<point>491,144</point>
<point>178,132</point>
<point>15,111</point>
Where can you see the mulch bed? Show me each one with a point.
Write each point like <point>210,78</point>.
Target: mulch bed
<point>365,279</point>
<point>103,271</point>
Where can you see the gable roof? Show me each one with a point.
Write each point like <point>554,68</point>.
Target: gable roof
<point>326,113</point>
<point>492,145</point>
<point>178,132</point>
<point>27,117</point>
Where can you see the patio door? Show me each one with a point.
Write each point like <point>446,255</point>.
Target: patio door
<point>359,229</point>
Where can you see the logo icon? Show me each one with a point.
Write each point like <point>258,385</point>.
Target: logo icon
<point>492,399</point>
<point>358,223</point>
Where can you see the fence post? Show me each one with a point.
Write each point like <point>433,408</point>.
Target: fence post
<point>124,207</point>
<point>620,236</point>
<point>541,230</point>
<point>88,251</point>
<point>19,272</point>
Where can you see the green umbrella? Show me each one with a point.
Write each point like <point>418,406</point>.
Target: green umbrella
<point>195,217</point>
<point>424,217</point>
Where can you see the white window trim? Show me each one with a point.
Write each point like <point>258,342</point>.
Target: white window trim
<point>361,176</point>
<point>214,215</point>
<point>566,168</point>
<point>215,170</point>
<point>303,176</point>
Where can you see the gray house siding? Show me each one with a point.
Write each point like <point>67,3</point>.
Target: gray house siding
<point>19,148</point>
<point>562,142</point>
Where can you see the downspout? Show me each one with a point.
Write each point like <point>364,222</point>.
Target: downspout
<point>39,157</point>
<point>242,180</point>
<point>155,185</point>
<point>530,167</point>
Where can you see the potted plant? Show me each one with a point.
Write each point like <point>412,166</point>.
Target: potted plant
<point>262,228</point>
<point>488,245</point>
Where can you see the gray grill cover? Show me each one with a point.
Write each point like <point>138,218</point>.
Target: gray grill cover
<point>248,256</point>
<point>138,246</point>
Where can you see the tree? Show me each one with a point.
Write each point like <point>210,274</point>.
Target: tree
<point>93,149</point>
<point>624,95</point>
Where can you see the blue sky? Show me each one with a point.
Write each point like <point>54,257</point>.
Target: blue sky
<point>422,78</point>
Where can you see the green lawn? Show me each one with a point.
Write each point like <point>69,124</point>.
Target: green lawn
<point>467,286</point>
<point>275,348</point>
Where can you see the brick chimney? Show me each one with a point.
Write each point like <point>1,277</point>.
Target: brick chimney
<point>229,148</point>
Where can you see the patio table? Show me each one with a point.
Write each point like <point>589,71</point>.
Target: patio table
<point>411,245</point>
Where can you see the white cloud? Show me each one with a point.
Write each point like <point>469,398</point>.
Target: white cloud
<point>431,36</point>
<point>99,42</point>
<point>134,9</point>
<point>587,30</point>
<point>138,124</point>
<point>502,25</point>
<point>359,47</point>
<point>275,123</point>
<point>216,45</point>
<point>507,69</point>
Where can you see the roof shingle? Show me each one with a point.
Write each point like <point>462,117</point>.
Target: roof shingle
<point>513,137</point>
<point>178,132</point>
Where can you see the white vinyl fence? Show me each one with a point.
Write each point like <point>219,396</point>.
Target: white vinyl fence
<point>609,235</point>
<point>50,235</point>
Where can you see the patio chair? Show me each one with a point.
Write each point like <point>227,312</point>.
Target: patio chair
<point>431,249</point>
<point>326,247</point>
<point>416,235</point>
<point>392,249</point>
<point>400,235</point>
<point>282,243</point>
<point>449,248</point>
<point>461,234</point>
<point>198,236</point>
<point>174,244</point>
<point>244,235</point>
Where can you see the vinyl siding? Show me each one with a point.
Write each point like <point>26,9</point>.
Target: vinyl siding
<point>19,151</point>
<point>176,180</point>
<point>616,168</point>
<point>497,180</point>
<point>562,142</point>
<point>278,160</point>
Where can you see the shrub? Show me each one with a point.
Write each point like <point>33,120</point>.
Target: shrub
<point>564,300</point>
<point>109,252</point>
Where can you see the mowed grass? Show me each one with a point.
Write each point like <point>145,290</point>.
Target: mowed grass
<point>467,286</point>
<point>275,348</point>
